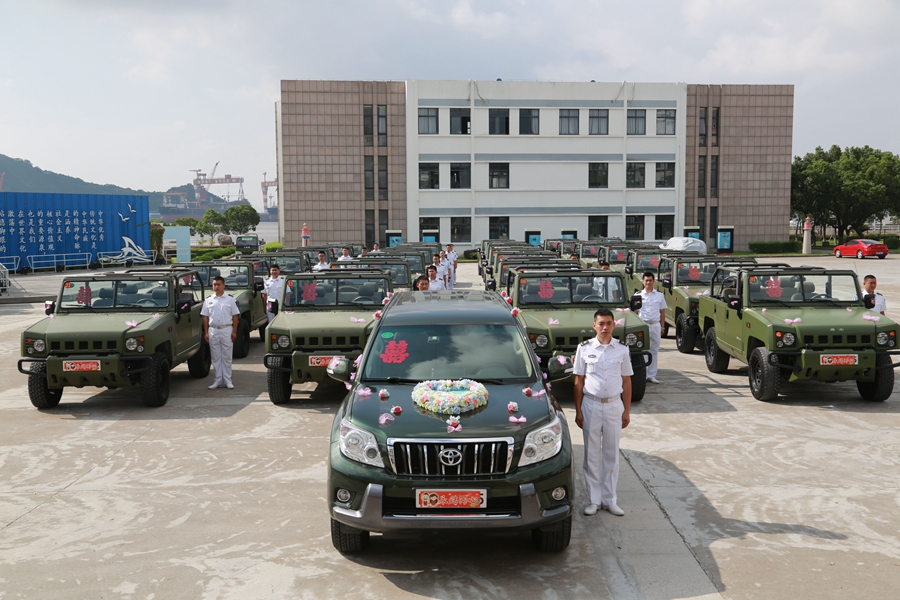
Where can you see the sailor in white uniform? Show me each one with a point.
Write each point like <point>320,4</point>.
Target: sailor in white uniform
<point>273,286</point>
<point>653,313</point>
<point>220,325</point>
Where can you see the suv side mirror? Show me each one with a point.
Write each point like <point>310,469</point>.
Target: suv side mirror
<point>272,306</point>
<point>50,306</point>
<point>868,301</point>
<point>489,270</point>
<point>629,270</point>
<point>491,285</point>
<point>258,284</point>
<point>557,371</point>
<point>339,368</point>
<point>636,302</point>
<point>183,307</point>
<point>734,302</point>
<point>667,283</point>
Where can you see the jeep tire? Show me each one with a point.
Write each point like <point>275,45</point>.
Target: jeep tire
<point>765,379</point>
<point>155,381</point>
<point>554,538</point>
<point>242,340</point>
<point>685,335</point>
<point>716,360</point>
<point>200,362</point>
<point>349,542</point>
<point>639,379</point>
<point>39,392</point>
<point>279,385</point>
<point>872,391</point>
<point>262,333</point>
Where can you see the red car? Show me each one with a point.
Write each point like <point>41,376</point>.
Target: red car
<point>861,249</point>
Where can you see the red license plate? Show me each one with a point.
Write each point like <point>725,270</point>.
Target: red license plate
<point>320,361</point>
<point>451,498</point>
<point>81,365</point>
<point>839,360</point>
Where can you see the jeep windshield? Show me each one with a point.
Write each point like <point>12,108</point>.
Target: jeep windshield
<point>399,272</point>
<point>803,289</point>
<point>589,251</point>
<point>694,273</point>
<point>288,264</point>
<point>494,353</point>
<point>111,294</point>
<point>567,289</point>
<point>335,291</point>
<point>236,277</point>
<point>616,255</point>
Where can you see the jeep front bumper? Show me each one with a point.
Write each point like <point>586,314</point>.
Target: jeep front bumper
<point>114,370</point>
<point>819,364</point>
<point>305,366</point>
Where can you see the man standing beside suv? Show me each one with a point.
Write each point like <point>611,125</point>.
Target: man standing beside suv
<point>220,324</point>
<point>653,313</point>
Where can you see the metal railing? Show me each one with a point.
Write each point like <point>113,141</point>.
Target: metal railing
<point>54,261</point>
<point>11,263</point>
<point>370,194</point>
<point>382,139</point>
<point>367,140</point>
<point>382,194</point>
<point>4,279</point>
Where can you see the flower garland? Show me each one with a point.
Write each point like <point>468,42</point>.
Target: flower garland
<point>448,396</point>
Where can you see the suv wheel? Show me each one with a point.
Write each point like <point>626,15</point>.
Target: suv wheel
<point>262,333</point>
<point>200,362</point>
<point>352,542</point>
<point>765,379</point>
<point>639,379</point>
<point>873,391</point>
<point>155,381</point>
<point>279,383</point>
<point>242,341</point>
<point>716,360</point>
<point>685,335</point>
<point>39,392</point>
<point>556,539</point>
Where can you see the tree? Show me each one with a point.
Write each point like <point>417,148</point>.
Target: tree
<point>212,223</point>
<point>241,219</point>
<point>186,222</point>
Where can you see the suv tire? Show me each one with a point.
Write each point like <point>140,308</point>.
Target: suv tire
<point>200,362</point>
<point>242,340</point>
<point>685,335</point>
<point>279,384</point>
<point>39,392</point>
<point>639,379</point>
<point>262,333</point>
<point>765,379</point>
<point>556,539</point>
<point>349,542</point>
<point>155,381</point>
<point>716,360</point>
<point>872,391</point>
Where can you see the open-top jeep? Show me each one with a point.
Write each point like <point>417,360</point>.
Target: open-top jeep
<point>320,316</point>
<point>557,309</point>
<point>642,260</point>
<point>795,324</point>
<point>395,266</point>
<point>117,330</point>
<point>527,262</point>
<point>415,258</point>
<point>288,261</point>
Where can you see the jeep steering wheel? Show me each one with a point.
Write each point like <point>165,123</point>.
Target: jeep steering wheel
<point>817,296</point>
<point>365,299</point>
<point>146,302</point>
<point>592,298</point>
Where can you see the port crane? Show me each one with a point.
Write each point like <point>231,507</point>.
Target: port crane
<point>265,191</point>
<point>202,182</point>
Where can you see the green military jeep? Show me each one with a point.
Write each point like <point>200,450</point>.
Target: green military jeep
<point>117,330</point>
<point>643,260</point>
<point>557,308</point>
<point>796,324</point>
<point>320,316</point>
<point>396,267</point>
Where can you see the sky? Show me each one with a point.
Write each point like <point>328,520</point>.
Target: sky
<point>137,93</point>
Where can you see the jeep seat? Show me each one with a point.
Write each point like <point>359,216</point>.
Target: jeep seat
<point>105,299</point>
<point>160,296</point>
<point>582,290</point>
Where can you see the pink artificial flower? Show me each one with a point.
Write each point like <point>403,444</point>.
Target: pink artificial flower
<point>363,392</point>
<point>131,323</point>
<point>620,321</point>
<point>385,418</point>
<point>552,321</point>
<point>514,406</point>
<point>518,420</point>
<point>383,394</point>
<point>347,385</point>
<point>377,314</point>
<point>385,300</point>
<point>396,410</point>
<point>515,312</point>
<point>527,391</point>
<point>509,300</point>
<point>503,294</point>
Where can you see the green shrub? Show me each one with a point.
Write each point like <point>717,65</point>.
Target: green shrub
<point>774,247</point>
<point>211,254</point>
<point>471,255</point>
<point>891,241</point>
<point>273,246</point>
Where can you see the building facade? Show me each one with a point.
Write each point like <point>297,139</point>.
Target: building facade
<point>470,160</point>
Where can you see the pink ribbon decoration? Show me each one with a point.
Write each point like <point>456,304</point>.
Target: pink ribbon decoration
<point>453,425</point>
<point>764,310</point>
<point>51,315</point>
<point>552,321</point>
<point>131,323</point>
<point>515,312</point>
<point>363,392</point>
<point>385,418</point>
<point>356,362</point>
<point>541,392</point>
<point>620,321</point>
<point>561,359</point>
<point>357,320</point>
<point>519,420</point>
<point>155,315</point>
<point>452,429</point>
<point>849,309</point>
<point>545,376</point>
<point>547,385</point>
<point>621,310</point>
<point>347,385</point>
<point>703,293</point>
<point>792,321</point>
<point>377,314</point>
<point>872,318</point>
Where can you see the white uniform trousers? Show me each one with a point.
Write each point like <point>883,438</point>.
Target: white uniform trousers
<point>602,430</point>
<point>270,316</point>
<point>655,336</point>
<point>220,347</point>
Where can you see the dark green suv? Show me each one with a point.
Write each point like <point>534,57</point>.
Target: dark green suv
<point>503,461</point>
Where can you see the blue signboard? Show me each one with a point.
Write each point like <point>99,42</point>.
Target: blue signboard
<point>395,240</point>
<point>46,226</point>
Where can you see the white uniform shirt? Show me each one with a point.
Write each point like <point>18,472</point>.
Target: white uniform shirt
<point>273,288</point>
<point>436,284</point>
<point>880,304</point>
<point>342,257</point>
<point>654,302</point>
<point>453,255</point>
<point>220,309</point>
<point>448,265</point>
<point>321,267</point>
<point>603,367</point>
<point>441,271</point>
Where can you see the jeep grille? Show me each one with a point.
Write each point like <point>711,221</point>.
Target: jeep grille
<point>823,340</point>
<point>96,345</point>
<point>570,342</point>
<point>491,456</point>
<point>327,341</point>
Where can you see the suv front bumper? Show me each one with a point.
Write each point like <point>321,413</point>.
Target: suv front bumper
<point>305,366</point>
<point>115,370</point>
<point>807,364</point>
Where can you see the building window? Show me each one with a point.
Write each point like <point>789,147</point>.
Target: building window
<point>701,221</point>
<point>637,121</point>
<point>714,176</point>
<point>665,227</point>
<point>461,176</point>
<point>368,124</point>
<point>598,122</point>
<point>568,121</point>
<point>529,121</point>
<point>713,226</point>
<point>382,125</point>
<point>369,173</point>
<point>598,175</point>
<point>428,121</point>
<point>382,228</point>
<point>431,224</point>
<point>569,234</point>
<point>498,228</point>
<point>665,122</point>
<point>499,176</point>
<point>714,128</point>
<point>370,228</point>
<point>498,121</point>
<point>382,178</point>
<point>703,127</point>
<point>460,122</point>
<point>634,227</point>
<point>701,177</point>
<point>665,175</point>
<point>460,229</point>
<point>429,176</point>
<point>634,175</point>
<point>598,227</point>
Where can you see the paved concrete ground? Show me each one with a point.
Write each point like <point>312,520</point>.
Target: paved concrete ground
<point>220,495</point>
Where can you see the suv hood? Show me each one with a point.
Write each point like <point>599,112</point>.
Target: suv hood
<point>91,325</point>
<point>825,316</point>
<point>332,321</point>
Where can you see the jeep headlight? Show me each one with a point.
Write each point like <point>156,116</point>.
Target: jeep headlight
<point>789,339</point>
<point>283,341</point>
<point>541,341</point>
<point>630,339</point>
<point>131,344</point>
<point>542,443</point>
<point>360,445</point>
<point>882,339</point>
<point>694,309</point>
<point>39,345</point>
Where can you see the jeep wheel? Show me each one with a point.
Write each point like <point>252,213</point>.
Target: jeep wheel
<point>685,335</point>
<point>155,381</point>
<point>837,253</point>
<point>859,254</point>
<point>279,383</point>
<point>555,539</point>
<point>199,363</point>
<point>242,341</point>
<point>716,360</point>
<point>39,392</point>
<point>262,333</point>
<point>873,391</point>
<point>639,379</point>
<point>765,379</point>
<point>351,542</point>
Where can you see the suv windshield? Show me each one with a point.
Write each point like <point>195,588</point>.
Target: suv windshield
<point>567,289</point>
<point>236,277</point>
<point>694,273</point>
<point>335,292</point>
<point>803,288</point>
<point>114,294</point>
<point>589,251</point>
<point>449,352</point>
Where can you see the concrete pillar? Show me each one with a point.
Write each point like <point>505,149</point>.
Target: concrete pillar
<point>807,236</point>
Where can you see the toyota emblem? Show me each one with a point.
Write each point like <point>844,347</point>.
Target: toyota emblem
<point>450,457</point>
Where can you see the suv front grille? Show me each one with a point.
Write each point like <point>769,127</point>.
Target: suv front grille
<point>327,341</point>
<point>489,456</point>
<point>823,340</point>
<point>96,345</point>
<point>570,342</point>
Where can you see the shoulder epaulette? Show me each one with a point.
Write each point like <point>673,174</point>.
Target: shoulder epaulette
<point>585,342</point>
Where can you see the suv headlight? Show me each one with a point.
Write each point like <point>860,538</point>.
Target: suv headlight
<point>542,443</point>
<point>630,339</point>
<point>360,445</point>
<point>284,341</point>
<point>541,341</point>
<point>881,338</point>
<point>694,309</point>
<point>39,345</point>
<point>789,339</point>
<point>131,344</point>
